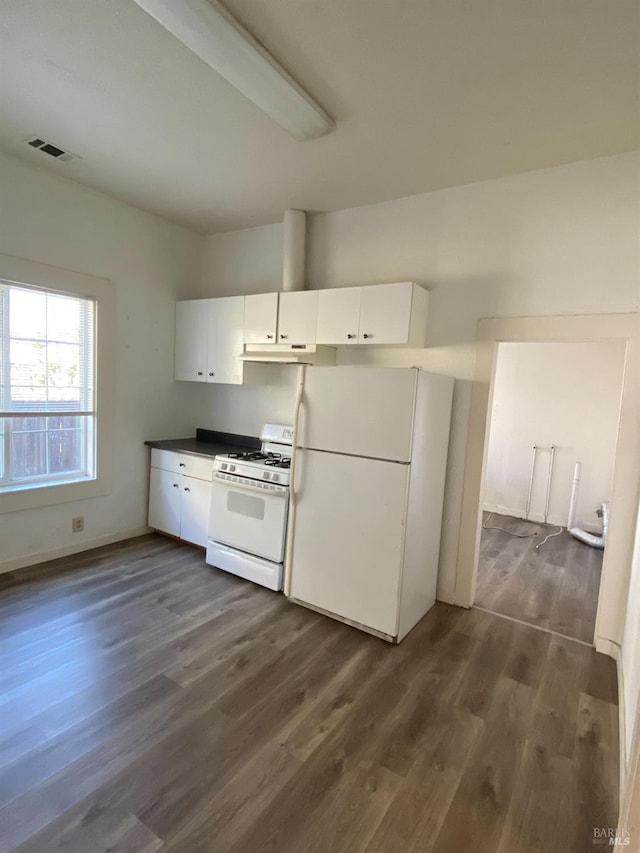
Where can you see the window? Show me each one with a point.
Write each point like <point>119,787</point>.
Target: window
<point>47,387</point>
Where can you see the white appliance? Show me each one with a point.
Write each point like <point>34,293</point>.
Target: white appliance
<point>367,493</point>
<point>249,507</point>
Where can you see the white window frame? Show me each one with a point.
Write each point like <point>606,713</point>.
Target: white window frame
<point>25,273</point>
<point>86,470</point>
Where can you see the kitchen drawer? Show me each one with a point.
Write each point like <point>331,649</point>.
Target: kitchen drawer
<point>200,467</point>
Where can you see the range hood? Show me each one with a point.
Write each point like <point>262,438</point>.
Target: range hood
<point>294,234</point>
<point>289,354</point>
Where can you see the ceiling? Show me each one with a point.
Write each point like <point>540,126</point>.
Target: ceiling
<point>426,94</point>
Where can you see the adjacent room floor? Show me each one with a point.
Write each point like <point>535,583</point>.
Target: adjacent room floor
<point>555,587</point>
<point>150,702</point>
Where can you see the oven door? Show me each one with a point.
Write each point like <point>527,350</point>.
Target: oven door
<point>249,516</point>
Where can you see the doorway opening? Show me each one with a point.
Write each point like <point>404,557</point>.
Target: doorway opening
<point>552,433</point>
<point>616,566</point>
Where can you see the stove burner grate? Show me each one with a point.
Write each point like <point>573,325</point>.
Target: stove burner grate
<point>257,456</point>
<point>279,463</point>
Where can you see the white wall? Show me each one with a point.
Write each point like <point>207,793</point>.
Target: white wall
<point>150,263</point>
<point>556,241</point>
<point>566,394</point>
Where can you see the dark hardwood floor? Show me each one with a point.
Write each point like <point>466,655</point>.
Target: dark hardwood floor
<point>150,702</point>
<point>555,588</point>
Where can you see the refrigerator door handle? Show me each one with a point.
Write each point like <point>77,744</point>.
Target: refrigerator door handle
<point>293,497</point>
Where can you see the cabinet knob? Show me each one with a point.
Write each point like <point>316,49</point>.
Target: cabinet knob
<point>269,337</point>
<point>175,485</point>
<point>187,489</point>
<point>199,373</point>
<point>367,336</point>
<point>211,373</point>
<point>283,337</point>
<point>350,336</point>
<point>182,464</point>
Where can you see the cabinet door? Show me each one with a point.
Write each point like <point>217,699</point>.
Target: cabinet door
<point>385,313</point>
<point>191,340</point>
<point>260,318</point>
<point>225,340</point>
<point>297,317</point>
<point>338,316</point>
<point>165,495</point>
<point>196,497</point>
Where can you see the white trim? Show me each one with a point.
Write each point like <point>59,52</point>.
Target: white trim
<point>607,647</point>
<point>613,650</point>
<point>622,716</point>
<point>61,413</point>
<point>20,271</point>
<point>67,550</point>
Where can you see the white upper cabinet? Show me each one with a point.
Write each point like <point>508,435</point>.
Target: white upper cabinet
<point>191,340</point>
<point>225,339</point>
<point>211,333</point>
<point>393,314</point>
<point>261,318</point>
<point>375,314</point>
<point>297,317</point>
<point>209,342</point>
<point>338,316</point>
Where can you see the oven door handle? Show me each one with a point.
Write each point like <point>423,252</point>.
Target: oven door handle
<point>278,492</point>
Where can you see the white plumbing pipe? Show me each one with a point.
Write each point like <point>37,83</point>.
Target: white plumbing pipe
<point>531,473</point>
<point>552,457</point>
<point>293,497</point>
<point>589,538</point>
<point>294,241</point>
<point>573,503</point>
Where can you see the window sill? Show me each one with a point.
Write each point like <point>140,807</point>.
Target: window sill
<point>34,495</point>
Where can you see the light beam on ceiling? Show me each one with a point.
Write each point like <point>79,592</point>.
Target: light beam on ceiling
<point>214,35</point>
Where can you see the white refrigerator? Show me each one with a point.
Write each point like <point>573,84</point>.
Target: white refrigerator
<point>367,492</point>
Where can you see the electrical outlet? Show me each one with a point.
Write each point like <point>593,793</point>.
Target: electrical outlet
<point>77,524</point>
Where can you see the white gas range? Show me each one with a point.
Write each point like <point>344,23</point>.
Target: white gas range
<point>249,508</point>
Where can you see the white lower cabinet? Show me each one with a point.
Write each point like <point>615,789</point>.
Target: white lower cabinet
<point>179,503</point>
<point>194,521</point>
<point>165,499</point>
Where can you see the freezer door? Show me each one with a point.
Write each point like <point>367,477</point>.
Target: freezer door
<point>348,537</point>
<point>362,411</point>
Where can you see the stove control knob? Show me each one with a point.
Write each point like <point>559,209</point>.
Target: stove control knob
<point>232,467</point>
<point>265,475</point>
<point>275,478</point>
<point>223,467</point>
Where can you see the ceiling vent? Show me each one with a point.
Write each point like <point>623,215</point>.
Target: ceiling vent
<point>52,150</point>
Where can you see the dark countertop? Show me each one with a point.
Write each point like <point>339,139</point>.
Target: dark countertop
<point>208,443</point>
